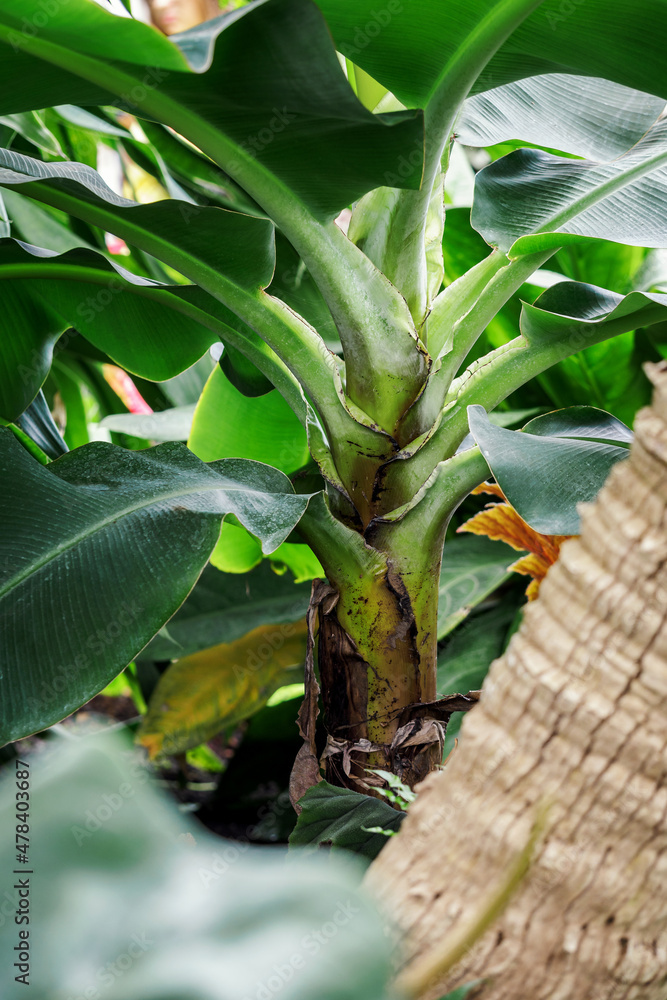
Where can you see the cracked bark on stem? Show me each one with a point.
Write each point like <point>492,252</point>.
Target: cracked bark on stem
<point>574,716</point>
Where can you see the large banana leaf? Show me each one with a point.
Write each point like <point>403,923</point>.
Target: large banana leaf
<point>99,549</point>
<point>556,462</point>
<point>228,254</point>
<point>406,45</point>
<point>581,115</point>
<point>589,314</point>
<point>151,329</point>
<point>237,248</point>
<point>266,78</point>
<point>531,201</point>
<point>143,326</point>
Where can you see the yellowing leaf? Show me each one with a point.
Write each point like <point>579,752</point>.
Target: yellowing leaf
<point>200,695</point>
<point>501,522</point>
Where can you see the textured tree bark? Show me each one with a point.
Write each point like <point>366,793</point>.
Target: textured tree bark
<point>573,718</point>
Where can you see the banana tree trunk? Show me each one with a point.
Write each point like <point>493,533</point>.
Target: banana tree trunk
<point>377,665</point>
<point>377,645</point>
<point>572,726</point>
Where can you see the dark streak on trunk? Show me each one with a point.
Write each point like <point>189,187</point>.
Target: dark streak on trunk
<point>344,676</point>
<point>343,679</point>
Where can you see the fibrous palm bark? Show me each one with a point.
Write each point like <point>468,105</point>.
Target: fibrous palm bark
<point>572,725</point>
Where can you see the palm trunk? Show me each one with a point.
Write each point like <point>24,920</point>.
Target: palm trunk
<point>573,719</point>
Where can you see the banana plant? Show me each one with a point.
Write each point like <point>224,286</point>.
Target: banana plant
<point>265,124</point>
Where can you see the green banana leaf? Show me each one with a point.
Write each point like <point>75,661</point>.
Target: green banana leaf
<point>531,201</point>
<point>406,45</point>
<point>99,549</point>
<point>152,330</point>
<point>584,116</point>
<point>265,77</point>
<point>557,461</point>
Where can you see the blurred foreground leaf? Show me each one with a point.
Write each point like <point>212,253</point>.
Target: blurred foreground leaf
<point>132,901</point>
